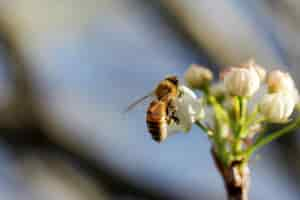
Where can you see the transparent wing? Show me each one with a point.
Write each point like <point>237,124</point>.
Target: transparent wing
<point>139,101</point>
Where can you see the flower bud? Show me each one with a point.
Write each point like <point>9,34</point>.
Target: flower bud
<point>280,81</point>
<point>241,81</point>
<point>224,71</point>
<point>197,76</point>
<point>295,95</point>
<point>261,72</point>
<point>277,107</point>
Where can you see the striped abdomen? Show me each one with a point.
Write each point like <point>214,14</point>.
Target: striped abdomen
<point>156,120</point>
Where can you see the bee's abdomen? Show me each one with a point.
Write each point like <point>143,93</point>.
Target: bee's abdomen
<point>158,130</point>
<point>156,120</point>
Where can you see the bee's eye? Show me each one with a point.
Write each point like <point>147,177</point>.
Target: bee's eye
<point>173,79</point>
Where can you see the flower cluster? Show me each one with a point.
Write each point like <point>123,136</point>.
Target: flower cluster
<point>236,108</point>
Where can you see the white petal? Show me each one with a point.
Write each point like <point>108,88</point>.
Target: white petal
<point>242,81</point>
<point>277,107</point>
<point>189,108</point>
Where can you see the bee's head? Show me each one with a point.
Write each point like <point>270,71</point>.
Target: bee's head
<point>167,87</point>
<point>172,79</point>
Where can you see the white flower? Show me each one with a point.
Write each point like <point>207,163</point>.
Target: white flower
<point>197,76</point>
<point>277,107</point>
<point>189,110</point>
<point>241,81</point>
<point>280,81</point>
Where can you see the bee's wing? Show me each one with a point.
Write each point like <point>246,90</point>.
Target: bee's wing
<point>140,100</point>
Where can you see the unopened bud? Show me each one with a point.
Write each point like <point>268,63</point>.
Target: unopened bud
<point>197,76</point>
<point>241,81</point>
<point>277,107</point>
<point>261,72</point>
<point>280,81</point>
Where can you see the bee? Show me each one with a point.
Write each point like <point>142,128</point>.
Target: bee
<point>161,111</point>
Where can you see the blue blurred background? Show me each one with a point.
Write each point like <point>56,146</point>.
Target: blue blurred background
<point>68,69</point>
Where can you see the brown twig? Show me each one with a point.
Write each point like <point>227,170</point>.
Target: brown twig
<point>236,178</point>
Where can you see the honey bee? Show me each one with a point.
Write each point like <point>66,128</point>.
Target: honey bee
<point>160,112</point>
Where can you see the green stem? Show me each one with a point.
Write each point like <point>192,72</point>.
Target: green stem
<point>236,107</point>
<point>243,116</point>
<point>241,110</point>
<point>221,117</point>
<point>272,136</point>
<point>252,118</point>
<point>244,105</point>
<point>204,128</point>
<point>220,112</point>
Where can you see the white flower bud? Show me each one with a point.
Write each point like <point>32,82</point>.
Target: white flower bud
<point>277,107</point>
<point>280,81</point>
<point>189,110</point>
<point>197,76</point>
<point>295,95</point>
<point>261,72</point>
<point>241,81</point>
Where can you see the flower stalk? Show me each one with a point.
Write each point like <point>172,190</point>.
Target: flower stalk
<point>236,177</point>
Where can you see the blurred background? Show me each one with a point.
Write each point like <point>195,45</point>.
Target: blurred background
<point>69,68</point>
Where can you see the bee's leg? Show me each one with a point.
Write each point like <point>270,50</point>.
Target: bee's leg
<point>171,108</point>
<point>175,119</point>
<point>172,118</point>
<point>171,112</point>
